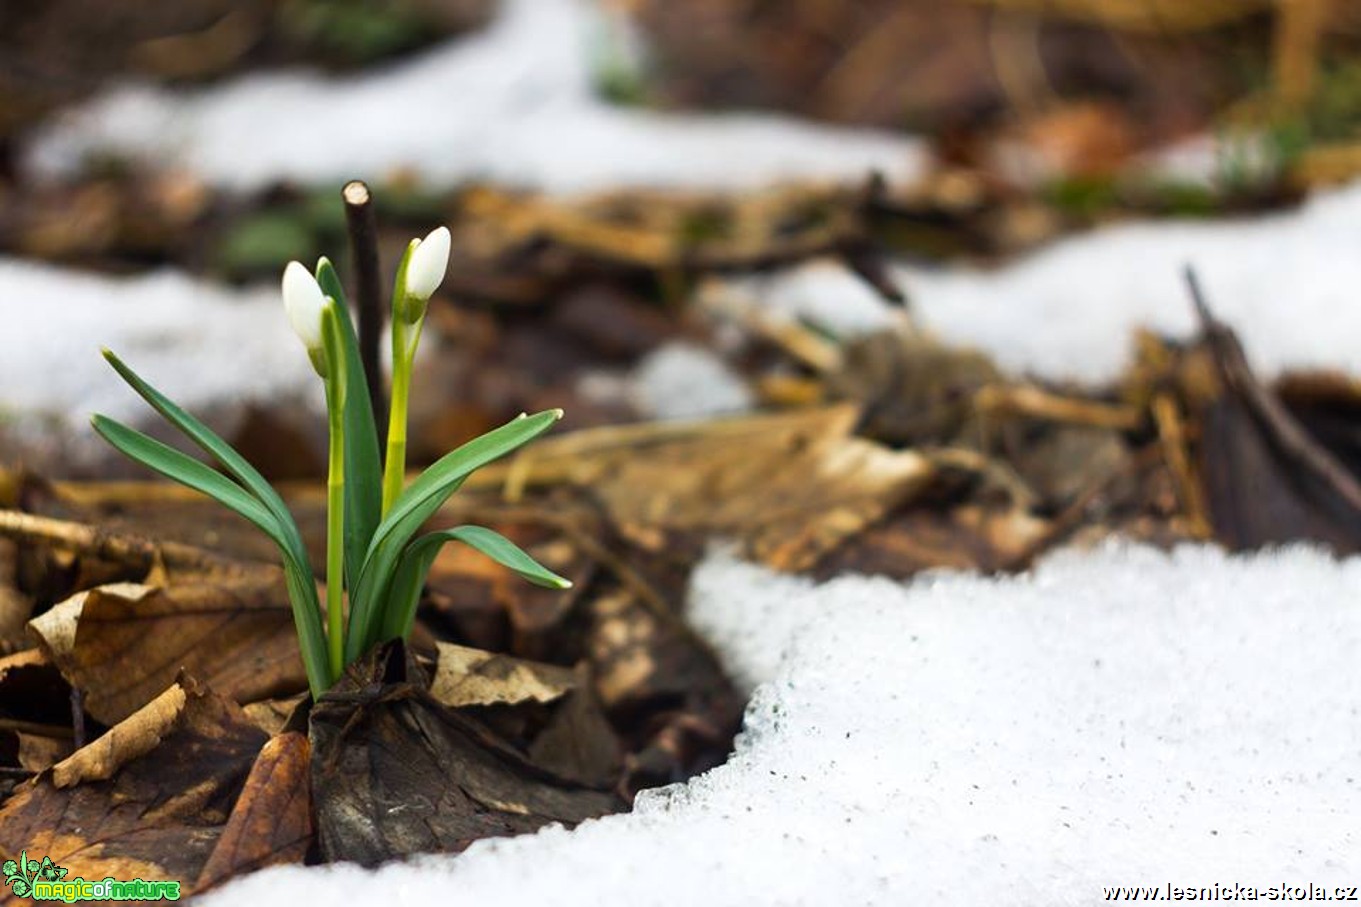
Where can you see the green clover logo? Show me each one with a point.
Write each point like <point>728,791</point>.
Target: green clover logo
<point>20,874</point>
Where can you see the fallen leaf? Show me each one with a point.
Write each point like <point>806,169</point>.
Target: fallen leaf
<point>465,676</point>
<point>272,820</point>
<point>789,487</point>
<point>137,735</point>
<point>1267,480</point>
<point>159,813</point>
<point>273,715</point>
<point>37,754</point>
<point>395,773</point>
<point>963,537</point>
<point>123,644</point>
<point>578,741</point>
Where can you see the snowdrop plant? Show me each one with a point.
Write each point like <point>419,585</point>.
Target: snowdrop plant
<point>419,275</point>
<point>374,557</point>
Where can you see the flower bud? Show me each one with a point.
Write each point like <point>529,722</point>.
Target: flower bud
<point>429,260</point>
<point>304,301</point>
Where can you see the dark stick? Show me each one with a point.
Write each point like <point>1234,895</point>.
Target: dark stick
<point>369,293</point>
<point>1285,430</point>
<point>1207,320</point>
<point>77,717</point>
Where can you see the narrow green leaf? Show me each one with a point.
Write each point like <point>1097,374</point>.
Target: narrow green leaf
<point>182,468</point>
<point>502,550</point>
<point>461,462</point>
<point>211,443</point>
<point>289,539</point>
<point>417,504</point>
<point>203,436</point>
<point>363,468</point>
<point>302,595</point>
<point>416,560</point>
<point>370,599</point>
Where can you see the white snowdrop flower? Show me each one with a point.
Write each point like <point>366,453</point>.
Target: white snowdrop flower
<point>429,260</point>
<point>304,302</point>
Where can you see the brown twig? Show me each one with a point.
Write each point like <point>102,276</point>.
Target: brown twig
<point>363,230</point>
<point>1029,400</point>
<point>119,547</point>
<point>1172,439</point>
<point>77,717</point>
<point>36,728</point>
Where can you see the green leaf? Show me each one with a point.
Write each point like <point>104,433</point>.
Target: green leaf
<point>306,608</point>
<point>417,504</point>
<point>415,563</point>
<point>212,444</point>
<point>184,469</point>
<point>302,595</point>
<point>363,468</point>
<point>369,600</point>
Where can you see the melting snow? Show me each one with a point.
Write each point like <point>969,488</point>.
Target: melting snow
<point>512,103</point>
<point>1115,718</point>
<point>1121,717</point>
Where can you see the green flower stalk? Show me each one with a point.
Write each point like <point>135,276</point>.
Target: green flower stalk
<point>374,558</point>
<point>313,316</point>
<point>418,276</point>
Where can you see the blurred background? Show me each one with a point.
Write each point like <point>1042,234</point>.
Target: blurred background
<point>598,162</point>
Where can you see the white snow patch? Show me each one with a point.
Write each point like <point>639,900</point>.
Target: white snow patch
<point>1289,284</point>
<point>201,344</point>
<point>513,103</point>
<point>685,381</point>
<point>1117,718</point>
<point>823,293</point>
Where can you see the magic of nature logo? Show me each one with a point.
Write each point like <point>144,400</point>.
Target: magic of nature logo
<point>43,880</point>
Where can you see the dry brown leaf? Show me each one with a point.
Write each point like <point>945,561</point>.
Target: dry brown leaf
<point>158,815</point>
<point>137,735</point>
<point>966,537</point>
<point>123,644</point>
<point>1267,479</point>
<point>38,754</point>
<point>578,741</point>
<point>465,676</point>
<point>271,715</point>
<point>790,487</point>
<point>272,820</point>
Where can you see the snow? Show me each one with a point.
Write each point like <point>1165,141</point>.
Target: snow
<point>1115,717</point>
<point>686,381</point>
<point>1287,282</point>
<point>512,103</point>
<point>201,344</point>
<point>1118,717</point>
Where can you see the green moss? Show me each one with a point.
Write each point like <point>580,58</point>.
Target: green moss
<point>356,32</point>
<point>265,242</point>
